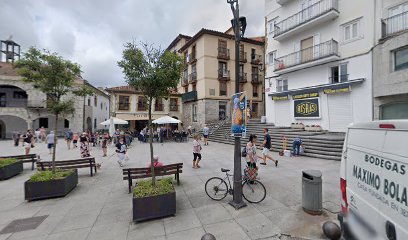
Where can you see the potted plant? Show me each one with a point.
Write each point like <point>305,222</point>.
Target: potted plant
<point>155,73</point>
<point>9,167</point>
<point>314,128</point>
<point>56,78</point>
<point>297,126</point>
<point>151,202</point>
<point>46,184</point>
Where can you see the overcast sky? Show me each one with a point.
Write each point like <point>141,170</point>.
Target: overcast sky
<point>92,32</point>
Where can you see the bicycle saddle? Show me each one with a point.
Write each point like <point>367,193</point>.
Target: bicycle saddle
<point>224,170</point>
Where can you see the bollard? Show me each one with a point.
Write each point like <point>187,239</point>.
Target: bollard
<point>208,236</point>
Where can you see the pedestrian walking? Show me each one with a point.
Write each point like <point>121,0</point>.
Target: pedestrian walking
<point>37,134</point>
<point>84,147</point>
<point>297,142</point>
<point>121,150</point>
<point>196,151</point>
<point>16,138</point>
<point>105,145</point>
<point>251,171</point>
<point>75,138</point>
<point>68,137</point>
<point>49,140</point>
<point>43,134</point>
<point>267,145</point>
<point>206,132</point>
<point>28,142</point>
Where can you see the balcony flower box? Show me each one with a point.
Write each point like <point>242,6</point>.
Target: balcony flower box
<point>313,128</point>
<point>147,205</point>
<point>9,168</point>
<point>297,126</point>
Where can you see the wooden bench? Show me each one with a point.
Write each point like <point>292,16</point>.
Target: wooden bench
<point>29,158</point>
<point>69,164</point>
<point>135,173</point>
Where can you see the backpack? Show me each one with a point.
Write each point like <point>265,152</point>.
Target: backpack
<point>244,152</point>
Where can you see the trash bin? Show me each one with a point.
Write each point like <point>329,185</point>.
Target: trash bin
<point>312,192</point>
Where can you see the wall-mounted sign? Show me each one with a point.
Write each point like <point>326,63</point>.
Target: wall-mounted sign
<point>307,108</point>
<point>280,98</point>
<point>334,90</point>
<point>305,95</point>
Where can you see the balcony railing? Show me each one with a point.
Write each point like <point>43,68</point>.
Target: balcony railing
<point>192,58</point>
<point>223,53</point>
<point>312,12</point>
<point>242,77</point>
<point>306,55</point>
<point>174,108</point>
<point>141,106</point>
<point>124,106</point>
<point>184,81</point>
<point>158,107</point>
<point>395,24</point>
<point>256,59</point>
<point>192,78</point>
<point>256,78</point>
<point>223,74</point>
<point>242,56</point>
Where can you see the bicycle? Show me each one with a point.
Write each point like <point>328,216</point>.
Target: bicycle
<point>252,190</point>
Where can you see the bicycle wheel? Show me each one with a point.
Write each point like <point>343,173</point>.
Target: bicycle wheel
<point>216,188</point>
<point>253,191</point>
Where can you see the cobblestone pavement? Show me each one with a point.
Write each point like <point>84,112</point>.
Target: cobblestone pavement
<point>100,206</point>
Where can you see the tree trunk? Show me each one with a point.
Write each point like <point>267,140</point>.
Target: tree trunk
<point>151,142</point>
<point>54,148</point>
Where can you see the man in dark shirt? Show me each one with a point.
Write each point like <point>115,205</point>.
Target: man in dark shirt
<point>267,145</point>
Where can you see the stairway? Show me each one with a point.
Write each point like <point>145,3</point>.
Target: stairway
<point>324,145</point>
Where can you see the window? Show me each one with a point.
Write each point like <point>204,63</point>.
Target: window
<point>281,85</point>
<point>173,104</point>
<point>66,123</point>
<point>19,95</point>
<point>89,102</point>
<point>95,123</point>
<point>253,54</point>
<point>401,59</point>
<point>101,106</point>
<point>43,122</point>
<point>123,103</point>
<point>3,100</point>
<point>255,91</point>
<point>222,111</point>
<point>339,73</point>
<point>271,26</point>
<point>96,101</point>
<point>271,58</point>
<point>212,91</point>
<point>223,88</point>
<point>158,104</point>
<point>194,112</point>
<point>141,103</point>
<point>222,69</point>
<point>351,30</point>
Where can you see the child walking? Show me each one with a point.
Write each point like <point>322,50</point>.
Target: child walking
<point>196,151</point>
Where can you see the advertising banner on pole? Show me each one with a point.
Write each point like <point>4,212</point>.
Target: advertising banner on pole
<point>239,113</point>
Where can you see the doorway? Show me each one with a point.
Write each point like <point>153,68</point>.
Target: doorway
<point>306,46</point>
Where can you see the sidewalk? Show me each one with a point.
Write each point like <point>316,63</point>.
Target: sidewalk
<point>100,206</point>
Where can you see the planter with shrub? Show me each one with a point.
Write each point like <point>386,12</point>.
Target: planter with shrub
<point>45,184</point>
<point>153,202</point>
<point>297,126</point>
<point>313,128</point>
<point>10,167</point>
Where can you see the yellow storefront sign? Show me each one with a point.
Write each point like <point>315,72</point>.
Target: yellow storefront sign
<point>279,98</point>
<point>339,90</point>
<point>305,95</point>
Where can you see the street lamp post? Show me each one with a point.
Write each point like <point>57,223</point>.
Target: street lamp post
<point>239,25</point>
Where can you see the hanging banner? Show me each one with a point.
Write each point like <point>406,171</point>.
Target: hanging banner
<point>239,109</point>
<point>307,108</point>
<point>305,95</point>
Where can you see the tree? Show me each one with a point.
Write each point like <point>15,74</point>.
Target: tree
<point>154,72</point>
<point>55,77</point>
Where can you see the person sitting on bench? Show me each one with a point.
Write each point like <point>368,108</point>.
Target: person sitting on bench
<point>156,162</point>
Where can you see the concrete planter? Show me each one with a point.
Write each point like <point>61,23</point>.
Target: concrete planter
<point>313,129</point>
<point>297,126</point>
<point>11,170</point>
<point>154,207</point>
<point>50,189</point>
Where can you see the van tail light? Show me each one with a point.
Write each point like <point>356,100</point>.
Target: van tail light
<point>344,205</point>
<point>387,125</point>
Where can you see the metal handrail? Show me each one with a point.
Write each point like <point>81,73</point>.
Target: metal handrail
<point>395,24</point>
<point>223,52</point>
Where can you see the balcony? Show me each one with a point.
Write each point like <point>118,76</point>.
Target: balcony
<point>282,2</point>
<point>242,77</point>
<point>256,59</point>
<point>141,106</point>
<point>192,78</point>
<point>315,14</point>
<point>395,24</point>
<point>223,53</point>
<point>189,96</point>
<point>256,78</point>
<point>223,75</point>
<point>174,108</point>
<point>308,57</point>
<point>184,81</point>
<point>191,58</point>
<point>159,107</point>
<point>242,56</point>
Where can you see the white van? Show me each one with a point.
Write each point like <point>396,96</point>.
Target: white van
<point>374,181</point>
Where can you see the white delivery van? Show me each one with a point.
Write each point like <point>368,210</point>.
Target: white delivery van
<point>374,181</point>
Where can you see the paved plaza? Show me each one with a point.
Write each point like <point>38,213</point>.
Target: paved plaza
<point>100,206</point>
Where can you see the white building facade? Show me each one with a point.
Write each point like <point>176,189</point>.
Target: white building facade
<point>319,62</point>
<point>96,109</point>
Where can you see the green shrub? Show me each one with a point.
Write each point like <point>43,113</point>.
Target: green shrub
<point>144,188</point>
<point>6,161</point>
<point>42,176</point>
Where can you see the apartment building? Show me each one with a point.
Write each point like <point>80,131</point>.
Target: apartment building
<point>131,105</point>
<point>208,80</point>
<point>391,61</point>
<point>319,62</point>
<point>96,108</point>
